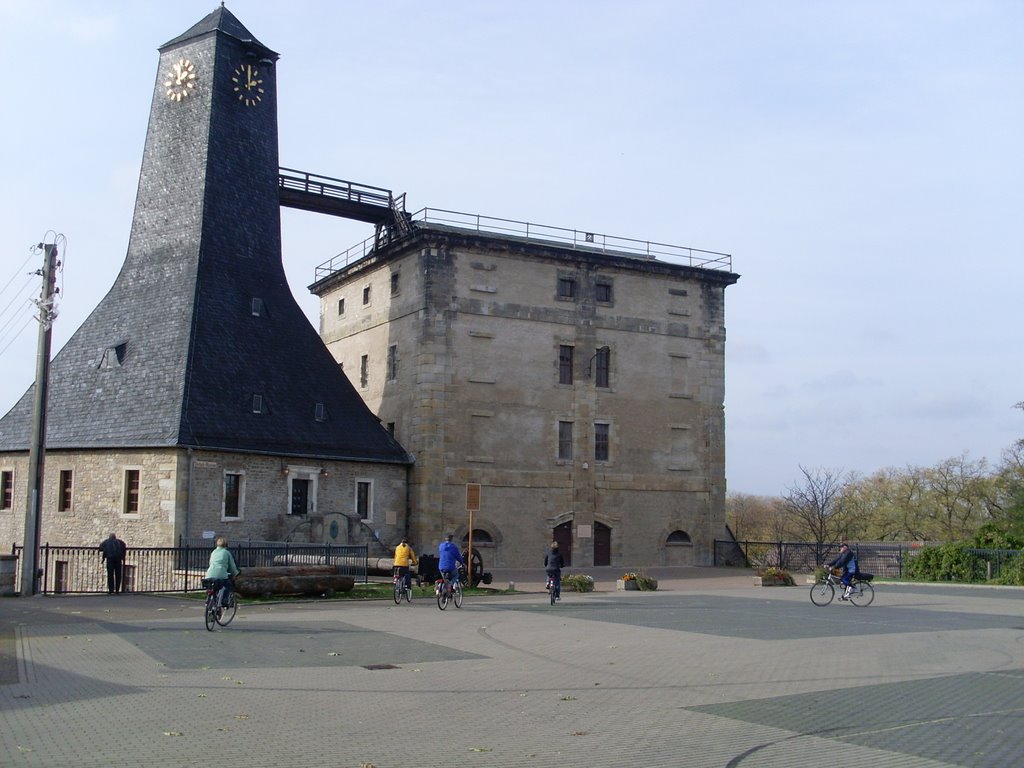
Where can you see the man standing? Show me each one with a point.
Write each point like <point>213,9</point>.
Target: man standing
<point>114,551</point>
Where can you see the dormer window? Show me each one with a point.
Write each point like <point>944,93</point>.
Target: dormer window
<point>257,306</point>
<point>257,404</point>
<point>113,357</point>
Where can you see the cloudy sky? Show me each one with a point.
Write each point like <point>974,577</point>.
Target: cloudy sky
<point>862,162</point>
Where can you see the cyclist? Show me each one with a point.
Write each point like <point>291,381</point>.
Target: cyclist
<point>553,563</point>
<point>404,557</point>
<point>848,563</point>
<point>448,559</point>
<point>223,569</point>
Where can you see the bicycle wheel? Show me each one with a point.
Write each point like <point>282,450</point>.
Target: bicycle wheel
<point>442,598</point>
<point>211,615</point>
<point>862,594</point>
<point>551,593</point>
<point>408,594</point>
<point>227,613</point>
<point>398,592</point>
<point>822,594</point>
<point>457,594</point>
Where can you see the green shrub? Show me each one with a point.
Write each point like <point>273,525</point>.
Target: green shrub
<point>777,574</point>
<point>947,562</point>
<point>578,582</point>
<point>1012,572</point>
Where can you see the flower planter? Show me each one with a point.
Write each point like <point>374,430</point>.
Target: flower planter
<point>762,581</point>
<point>626,585</point>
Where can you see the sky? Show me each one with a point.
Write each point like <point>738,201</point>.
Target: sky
<point>861,162</point>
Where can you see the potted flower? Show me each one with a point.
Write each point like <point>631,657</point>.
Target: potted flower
<point>773,576</point>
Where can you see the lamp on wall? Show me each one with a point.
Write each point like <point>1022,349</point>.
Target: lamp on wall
<point>599,350</point>
<point>323,472</point>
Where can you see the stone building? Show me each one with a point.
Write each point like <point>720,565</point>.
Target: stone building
<point>197,397</point>
<point>577,379</point>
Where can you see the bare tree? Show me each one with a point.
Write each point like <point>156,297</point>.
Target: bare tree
<point>813,508</point>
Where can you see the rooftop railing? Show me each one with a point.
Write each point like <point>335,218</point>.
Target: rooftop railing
<point>542,233</point>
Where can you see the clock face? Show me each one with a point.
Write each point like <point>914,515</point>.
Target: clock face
<point>181,80</point>
<point>248,85</point>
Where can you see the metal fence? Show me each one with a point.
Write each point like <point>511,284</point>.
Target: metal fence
<point>881,559</point>
<point>80,570</point>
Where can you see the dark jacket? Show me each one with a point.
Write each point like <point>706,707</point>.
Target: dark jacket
<point>845,560</point>
<point>113,550</point>
<point>553,561</point>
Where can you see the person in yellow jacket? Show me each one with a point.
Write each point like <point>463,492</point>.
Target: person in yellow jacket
<point>404,557</point>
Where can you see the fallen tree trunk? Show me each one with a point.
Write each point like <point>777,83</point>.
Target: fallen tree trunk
<point>290,570</point>
<point>248,584</point>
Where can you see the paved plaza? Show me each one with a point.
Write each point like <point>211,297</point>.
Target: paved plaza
<point>707,671</point>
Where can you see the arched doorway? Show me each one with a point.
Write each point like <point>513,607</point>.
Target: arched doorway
<point>563,535</point>
<point>602,544</point>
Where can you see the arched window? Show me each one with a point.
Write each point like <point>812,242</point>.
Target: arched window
<point>678,539</point>
<point>481,538</point>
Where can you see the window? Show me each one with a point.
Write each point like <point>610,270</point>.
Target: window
<point>257,403</point>
<point>64,487</point>
<point>601,433</point>
<point>565,440</point>
<point>320,412</point>
<point>565,364</point>
<point>392,362</point>
<point>602,365</point>
<point>364,370</point>
<point>391,428</point>
<point>679,539</point>
<point>131,492</point>
<point>566,288</point>
<point>341,307</point>
<point>364,499</point>
<point>394,283</point>
<point>366,294</point>
<point>603,293</point>
<point>6,489</point>
<point>232,496</point>
<point>257,307</point>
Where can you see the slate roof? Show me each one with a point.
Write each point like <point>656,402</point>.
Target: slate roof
<point>200,319</point>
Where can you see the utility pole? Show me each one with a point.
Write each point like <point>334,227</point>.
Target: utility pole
<point>37,449</point>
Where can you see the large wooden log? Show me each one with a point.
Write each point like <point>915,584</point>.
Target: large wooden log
<point>290,570</point>
<point>316,584</point>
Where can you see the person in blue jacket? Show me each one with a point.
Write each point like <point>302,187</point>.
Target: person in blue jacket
<point>222,569</point>
<point>448,559</point>
<point>848,563</point>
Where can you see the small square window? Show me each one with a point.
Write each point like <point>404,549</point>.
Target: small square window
<point>603,293</point>
<point>566,288</point>
<point>366,295</point>
<point>394,283</point>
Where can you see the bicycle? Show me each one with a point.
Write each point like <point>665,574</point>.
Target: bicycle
<point>401,589</point>
<point>448,590</point>
<point>215,612</point>
<point>862,593</point>
<point>551,589</point>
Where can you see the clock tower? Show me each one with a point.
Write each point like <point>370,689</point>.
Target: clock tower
<point>199,344</point>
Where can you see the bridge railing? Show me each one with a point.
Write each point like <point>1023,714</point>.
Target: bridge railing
<point>326,186</point>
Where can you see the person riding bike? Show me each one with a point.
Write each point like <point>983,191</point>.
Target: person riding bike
<point>223,569</point>
<point>553,564</point>
<point>448,559</point>
<point>848,563</point>
<point>404,557</point>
